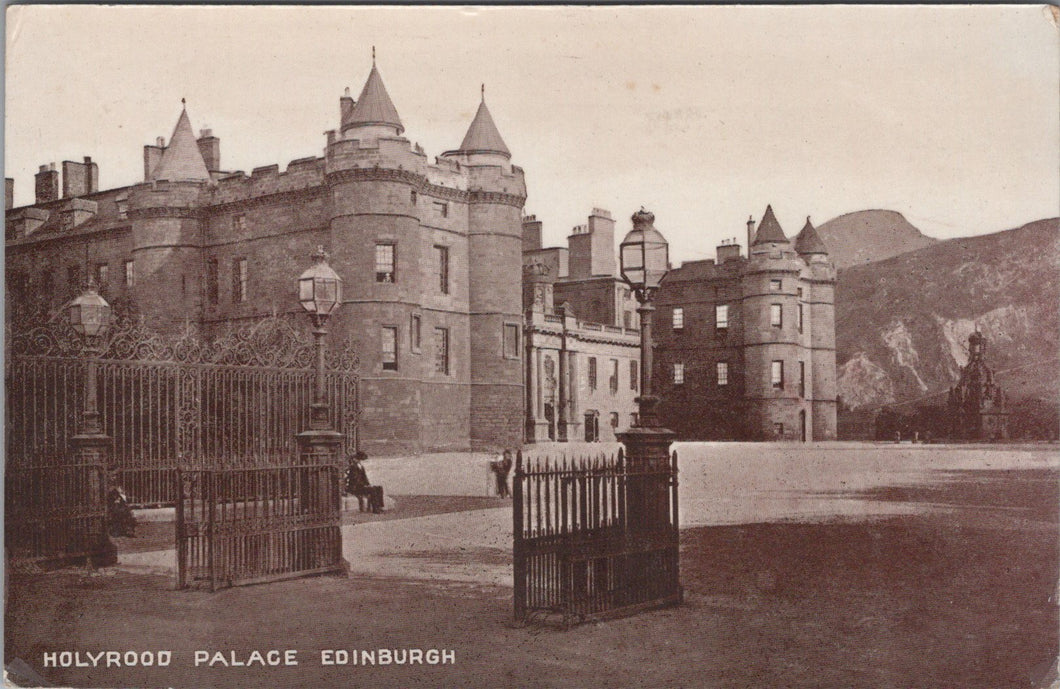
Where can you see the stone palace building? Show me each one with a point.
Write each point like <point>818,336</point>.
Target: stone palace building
<point>430,253</point>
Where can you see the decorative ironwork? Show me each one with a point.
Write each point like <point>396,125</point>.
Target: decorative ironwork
<point>251,525</point>
<point>271,342</point>
<point>238,400</point>
<point>594,537</point>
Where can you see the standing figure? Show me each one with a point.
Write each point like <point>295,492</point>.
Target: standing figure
<point>501,469</point>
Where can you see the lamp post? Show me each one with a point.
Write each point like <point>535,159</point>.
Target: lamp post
<point>644,260</point>
<point>644,256</point>
<point>320,293</point>
<point>89,315</point>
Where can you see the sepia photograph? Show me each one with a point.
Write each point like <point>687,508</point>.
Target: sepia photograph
<point>531,346</point>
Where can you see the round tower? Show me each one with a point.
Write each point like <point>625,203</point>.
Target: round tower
<point>818,304</point>
<point>496,195</point>
<point>777,407</point>
<point>167,234</point>
<point>383,252</point>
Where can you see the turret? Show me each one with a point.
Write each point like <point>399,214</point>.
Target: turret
<point>808,243</point>
<point>373,115</point>
<point>167,231</point>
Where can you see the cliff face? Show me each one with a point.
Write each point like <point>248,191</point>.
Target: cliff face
<point>902,323</point>
<point>867,236</point>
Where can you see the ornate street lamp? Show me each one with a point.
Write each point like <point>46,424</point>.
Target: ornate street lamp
<point>320,293</point>
<point>644,256</point>
<point>89,315</point>
<point>644,259</point>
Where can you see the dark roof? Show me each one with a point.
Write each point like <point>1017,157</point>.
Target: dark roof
<point>182,158</point>
<point>482,136</point>
<point>808,241</point>
<point>769,229</point>
<point>374,105</point>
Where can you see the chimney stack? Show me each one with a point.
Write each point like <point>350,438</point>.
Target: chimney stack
<point>210,148</point>
<point>47,183</point>
<point>80,179</point>
<point>153,154</point>
<point>750,234</point>
<point>531,233</point>
<point>346,104</point>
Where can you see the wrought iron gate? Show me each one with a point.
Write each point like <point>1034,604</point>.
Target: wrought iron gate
<point>252,525</point>
<point>56,511</point>
<point>237,400</point>
<point>594,537</point>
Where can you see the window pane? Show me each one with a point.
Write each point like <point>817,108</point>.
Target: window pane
<point>613,380</point>
<point>723,373</point>
<point>441,351</point>
<point>777,374</point>
<point>679,318</point>
<point>389,349</point>
<point>511,341</point>
<point>774,285</point>
<point>679,374</point>
<point>442,253</point>
<point>416,332</point>
<point>592,373</point>
<point>775,317</point>
<point>721,315</point>
<point>634,372</point>
<point>384,263</point>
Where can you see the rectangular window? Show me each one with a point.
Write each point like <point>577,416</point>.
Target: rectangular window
<point>679,374</point>
<point>239,280</point>
<point>721,316</point>
<point>128,270</point>
<point>723,373</point>
<point>776,316</point>
<point>678,318</point>
<point>634,371</point>
<point>592,373</point>
<point>441,351</point>
<point>633,419</point>
<point>802,379</point>
<point>776,375</point>
<point>778,430</point>
<point>212,281</point>
<point>102,275</point>
<point>412,197</point>
<point>627,319</point>
<point>799,292</point>
<point>73,277</point>
<point>389,348</point>
<point>800,317</point>
<point>442,253</point>
<point>384,263</point>
<point>775,285</point>
<point>511,341</point>
<point>614,419</point>
<point>416,332</point>
<point>442,208</point>
<point>239,223</point>
<point>613,380</point>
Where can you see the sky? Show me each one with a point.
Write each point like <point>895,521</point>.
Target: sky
<point>703,115</point>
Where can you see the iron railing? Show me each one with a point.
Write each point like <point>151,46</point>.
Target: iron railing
<point>594,537</point>
<point>56,510</point>
<point>251,525</point>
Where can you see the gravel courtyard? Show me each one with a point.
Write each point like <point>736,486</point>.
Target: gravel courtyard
<point>833,565</point>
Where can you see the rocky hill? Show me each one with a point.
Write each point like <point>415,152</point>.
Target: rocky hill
<point>902,324</point>
<point>867,236</point>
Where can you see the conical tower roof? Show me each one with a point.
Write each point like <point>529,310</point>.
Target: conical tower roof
<point>769,229</point>
<point>374,105</point>
<point>808,241</point>
<point>482,136</point>
<point>182,158</point>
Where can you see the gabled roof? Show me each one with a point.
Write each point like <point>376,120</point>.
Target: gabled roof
<point>374,105</point>
<point>808,241</point>
<point>769,229</point>
<point>182,158</point>
<point>482,136</point>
